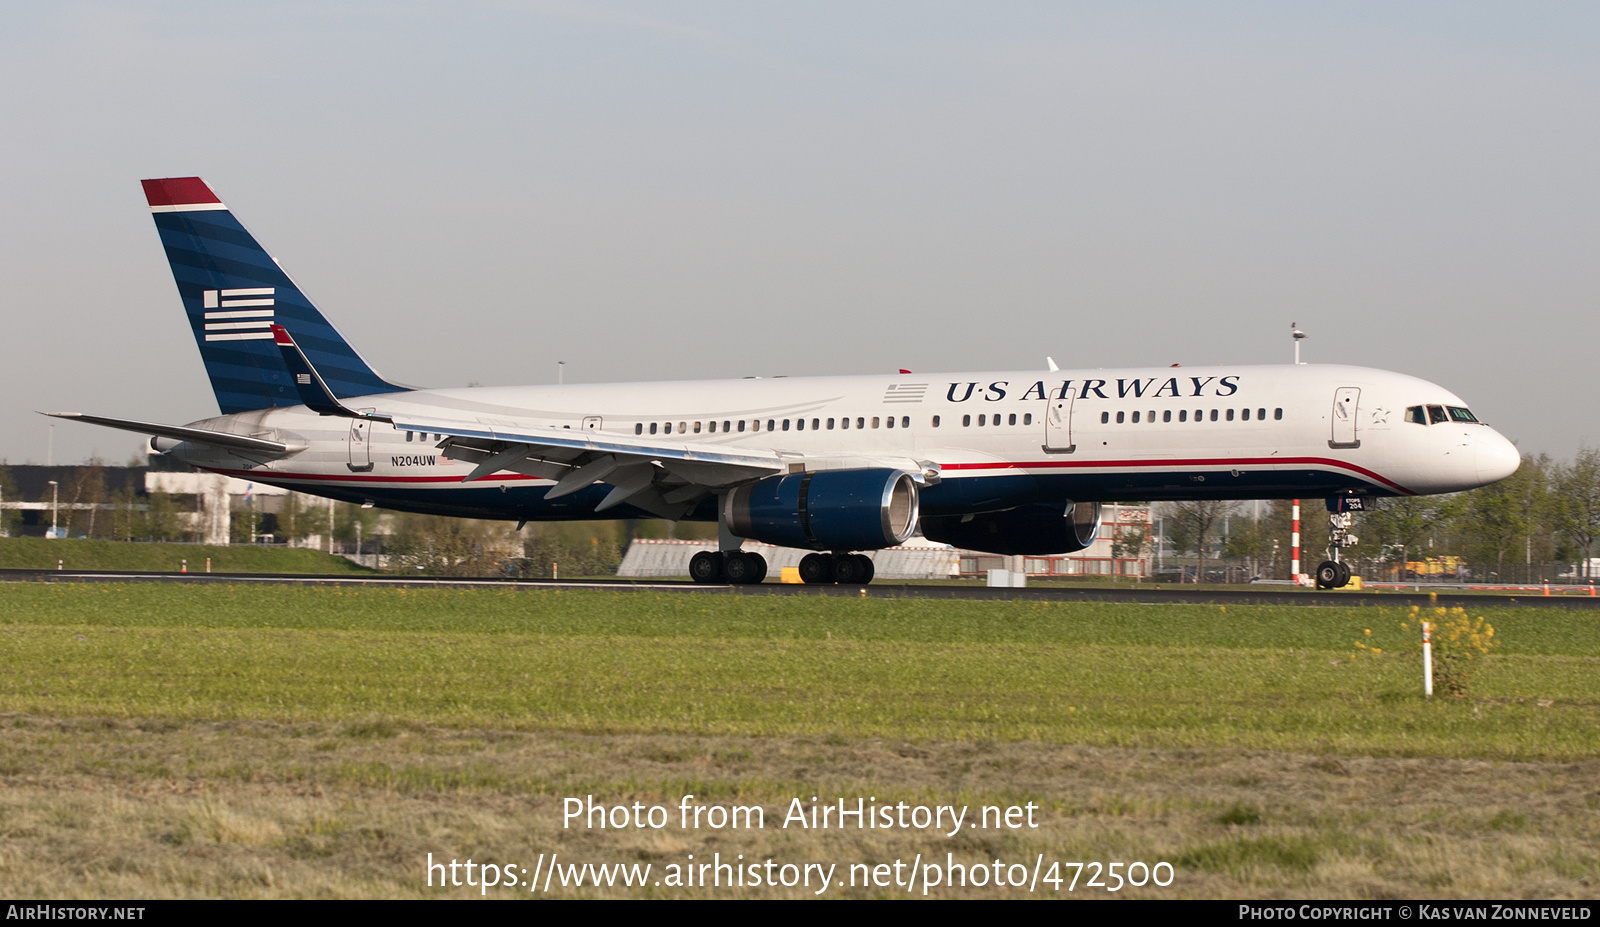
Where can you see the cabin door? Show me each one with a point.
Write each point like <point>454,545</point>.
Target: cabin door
<point>1345,400</point>
<point>1058,425</point>
<point>361,443</point>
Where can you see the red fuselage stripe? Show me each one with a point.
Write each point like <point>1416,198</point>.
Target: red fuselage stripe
<point>1276,462</point>
<point>1142,465</point>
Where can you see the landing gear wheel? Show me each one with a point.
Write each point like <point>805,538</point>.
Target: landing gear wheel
<point>1327,574</point>
<point>743,569</point>
<point>707,567</point>
<point>868,569</point>
<point>816,569</point>
<point>847,570</point>
<point>1344,575</point>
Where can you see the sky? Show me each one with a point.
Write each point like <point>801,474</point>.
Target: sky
<point>475,191</point>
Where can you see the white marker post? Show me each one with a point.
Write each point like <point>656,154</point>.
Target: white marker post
<point>1294,535</point>
<point>1427,662</point>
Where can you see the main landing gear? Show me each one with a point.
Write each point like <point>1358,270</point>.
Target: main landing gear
<point>844,569</point>
<point>733,566</point>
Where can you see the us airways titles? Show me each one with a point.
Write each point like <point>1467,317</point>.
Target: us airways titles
<point>1137,388</point>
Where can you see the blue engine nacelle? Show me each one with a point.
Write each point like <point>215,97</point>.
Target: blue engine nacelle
<point>826,509</point>
<point>1047,528</point>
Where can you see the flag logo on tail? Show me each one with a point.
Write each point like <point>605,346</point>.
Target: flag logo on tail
<point>229,319</point>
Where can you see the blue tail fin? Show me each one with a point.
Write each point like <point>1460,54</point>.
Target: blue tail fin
<point>233,292</point>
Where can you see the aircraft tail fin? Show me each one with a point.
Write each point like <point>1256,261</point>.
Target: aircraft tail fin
<point>233,293</point>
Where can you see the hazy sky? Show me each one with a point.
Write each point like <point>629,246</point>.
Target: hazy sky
<point>473,191</point>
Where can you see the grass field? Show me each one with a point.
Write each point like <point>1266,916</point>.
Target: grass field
<point>288,741</point>
<point>82,554</point>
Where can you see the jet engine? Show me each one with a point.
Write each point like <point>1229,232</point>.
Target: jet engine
<point>1045,528</point>
<point>826,509</point>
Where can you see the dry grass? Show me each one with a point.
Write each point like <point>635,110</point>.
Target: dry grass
<point>107,808</point>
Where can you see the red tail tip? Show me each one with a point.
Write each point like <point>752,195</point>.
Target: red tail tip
<point>280,335</point>
<point>178,191</point>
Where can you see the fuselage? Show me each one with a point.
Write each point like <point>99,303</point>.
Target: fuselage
<point>997,439</point>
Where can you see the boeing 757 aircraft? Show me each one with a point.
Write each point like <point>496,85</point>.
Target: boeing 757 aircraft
<point>1010,462</point>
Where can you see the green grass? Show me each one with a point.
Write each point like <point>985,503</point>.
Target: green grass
<point>42,554</point>
<point>1146,676</point>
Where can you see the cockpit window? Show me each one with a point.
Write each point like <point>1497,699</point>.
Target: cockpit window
<point>1436,415</point>
<point>1416,414</point>
<point>1462,415</point>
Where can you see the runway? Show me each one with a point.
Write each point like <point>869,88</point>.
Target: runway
<point>1142,594</point>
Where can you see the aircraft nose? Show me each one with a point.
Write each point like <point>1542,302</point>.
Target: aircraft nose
<point>1497,457</point>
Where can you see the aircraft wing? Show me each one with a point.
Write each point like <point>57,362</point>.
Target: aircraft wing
<point>663,478</point>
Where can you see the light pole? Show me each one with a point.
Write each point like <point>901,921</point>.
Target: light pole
<point>55,500</point>
<point>1298,336</point>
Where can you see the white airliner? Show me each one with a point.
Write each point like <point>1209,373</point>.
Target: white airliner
<point>1011,462</point>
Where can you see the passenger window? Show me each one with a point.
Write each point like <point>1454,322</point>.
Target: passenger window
<point>724,426</point>
<point>1213,415</point>
<point>652,427</point>
<point>638,429</point>
<point>1183,415</point>
<point>890,421</point>
<point>830,424</point>
<point>785,424</point>
<point>683,428</point>
<point>981,419</point>
<point>1011,419</point>
<point>1166,415</point>
<point>799,424</point>
<point>874,421</point>
<point>816,423</point>
<point>1261,415</point>
<point>668,428</point>
<point>1245,415</point>
<point>1027,418</point>
<point>935,421</point>
<point>905,421</point>
<point>741,426</point>
<point>1105,417</point>
<point>1136,418</point>
<point>1119,418</point>
<point>1230,415</point>
<point>772,422</point>
<point>966,421</point>
<point>1151,418</point>
<point>408,436</point>
<point>696,427</point>
<point>844,423</point>
<point>862,423</point>
<point>1277,414</point>
<point>1436,415</point>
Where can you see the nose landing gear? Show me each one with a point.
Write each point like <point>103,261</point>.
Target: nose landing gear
<point>1335,573</point>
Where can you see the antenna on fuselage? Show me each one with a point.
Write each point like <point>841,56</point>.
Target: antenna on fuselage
<point>1298,336</point>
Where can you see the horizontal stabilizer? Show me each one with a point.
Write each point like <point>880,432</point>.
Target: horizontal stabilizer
<point>181,433</point>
